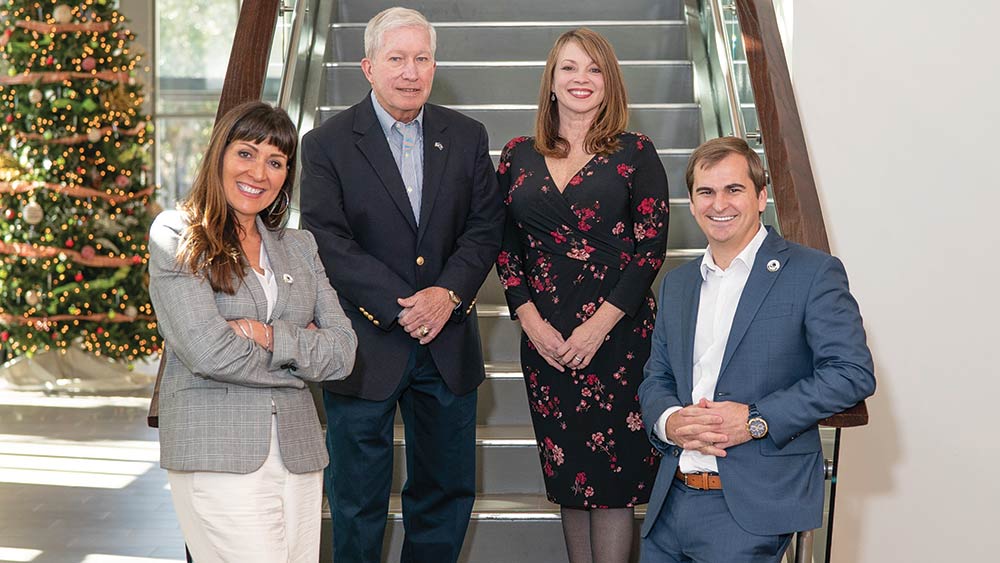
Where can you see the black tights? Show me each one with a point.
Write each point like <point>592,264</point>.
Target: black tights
<point>599,535</point>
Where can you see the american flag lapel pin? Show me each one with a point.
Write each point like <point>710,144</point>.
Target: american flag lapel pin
<point>438,145</point>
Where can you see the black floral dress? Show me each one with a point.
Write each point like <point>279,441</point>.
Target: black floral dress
<point>603,239</point>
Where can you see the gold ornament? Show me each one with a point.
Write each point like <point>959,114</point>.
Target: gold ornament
<point>33,213</point>
<point>10,170</point>
<point>62,14</point>
<point>117,99</point>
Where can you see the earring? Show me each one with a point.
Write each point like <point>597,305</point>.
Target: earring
<point>274,206</point>
<point>552,97</point>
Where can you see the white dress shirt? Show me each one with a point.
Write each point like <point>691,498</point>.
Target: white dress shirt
<point>267,281</point>
<point>720,294</point>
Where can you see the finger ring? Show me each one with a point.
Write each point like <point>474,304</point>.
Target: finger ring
<point>578,359</point>
<point>424,331</point>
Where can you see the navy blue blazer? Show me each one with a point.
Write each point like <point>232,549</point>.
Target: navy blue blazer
<point>355,204</point>
<point>797,349</point>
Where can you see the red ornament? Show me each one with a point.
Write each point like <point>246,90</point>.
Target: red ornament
<point>122,181</point>
<point>88,64</point>
<point>88,252</point>
<point>136,260</point>
<point>10,214</point>
<point>9,118</point>
<point>69,243</point>
<point>100,330</point>
<point>4,336</point>
<point>78,277</point>
<point>49,60</point>
<point>81,170</point>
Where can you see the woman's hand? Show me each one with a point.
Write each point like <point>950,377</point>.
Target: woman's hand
<point>579,349</point>
<point>542,335</point>
<point>260,333</point>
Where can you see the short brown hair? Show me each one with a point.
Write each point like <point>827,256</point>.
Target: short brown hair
<point>211,243</point>
<point>612,116</point>
<point>712,152</point>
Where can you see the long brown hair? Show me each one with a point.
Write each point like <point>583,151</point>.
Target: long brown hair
<point>211,242</point>
<point>612,115</point>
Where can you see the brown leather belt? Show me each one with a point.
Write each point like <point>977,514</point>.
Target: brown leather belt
<point>700,481</point>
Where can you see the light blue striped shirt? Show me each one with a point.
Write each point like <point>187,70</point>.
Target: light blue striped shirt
<point>406,140</point>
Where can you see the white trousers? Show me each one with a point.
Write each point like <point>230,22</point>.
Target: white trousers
<point>268,516</point>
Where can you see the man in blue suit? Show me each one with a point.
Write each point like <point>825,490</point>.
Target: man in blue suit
<point>754,344</point>
<point>403,200</point>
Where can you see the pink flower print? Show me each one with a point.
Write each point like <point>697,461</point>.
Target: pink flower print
<point>503,166</point>
<point>581,478</point>
<point>589,492</point>
<point>619,228</point>
<point>624,170</point>
<point>504,258</point>
<point>639,144</point>
<point>646,206</point>
<point>575,180</point>
<point>558,237</point>
<point>514,142</point>
<point>587,311</point>
<point>634,421</point>
<point>598,438</point>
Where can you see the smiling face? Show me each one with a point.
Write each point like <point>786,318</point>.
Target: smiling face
<point>726,206</point>
<point>252,177</point>
<point>402,71</point>
<point>577,82</point>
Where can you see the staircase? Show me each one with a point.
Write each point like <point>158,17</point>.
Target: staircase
<point>490,57</point>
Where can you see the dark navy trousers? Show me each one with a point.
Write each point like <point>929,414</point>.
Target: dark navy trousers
<point>440,432</point>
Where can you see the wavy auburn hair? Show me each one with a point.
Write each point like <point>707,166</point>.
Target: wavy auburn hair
<point>612,115</point>
<point>211,243</point>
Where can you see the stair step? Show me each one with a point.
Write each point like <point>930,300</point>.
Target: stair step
<point>506,82</point>
<point>517,41</point>
<point>503,528</point>
<point>464,10</point>
<point>669,126</point>
<point>506,460</point>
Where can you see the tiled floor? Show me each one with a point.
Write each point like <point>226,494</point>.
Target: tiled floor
<point>80,482</point>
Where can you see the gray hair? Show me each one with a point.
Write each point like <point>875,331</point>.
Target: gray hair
<point>393,18</point>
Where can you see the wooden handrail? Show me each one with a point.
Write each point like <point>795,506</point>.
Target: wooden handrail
<point>795,196</point>
<point>249,56</point>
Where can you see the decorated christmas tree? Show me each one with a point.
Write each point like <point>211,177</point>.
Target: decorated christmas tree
<point>75,199</point>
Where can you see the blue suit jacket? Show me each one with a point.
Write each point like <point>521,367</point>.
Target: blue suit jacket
<point>797,349</point>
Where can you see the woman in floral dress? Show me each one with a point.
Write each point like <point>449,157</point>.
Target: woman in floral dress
<point>586,234</point>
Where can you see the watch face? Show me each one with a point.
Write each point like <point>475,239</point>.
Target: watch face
<point>757,427</point>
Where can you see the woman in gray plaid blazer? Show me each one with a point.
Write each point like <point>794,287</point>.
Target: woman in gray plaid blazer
<point>249,317</point>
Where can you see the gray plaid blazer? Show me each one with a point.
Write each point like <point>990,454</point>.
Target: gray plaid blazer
<point>217,389</point>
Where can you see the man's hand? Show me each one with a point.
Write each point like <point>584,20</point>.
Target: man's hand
<point>425,313</point>
<point>695,427</point>
<point>734,421</point>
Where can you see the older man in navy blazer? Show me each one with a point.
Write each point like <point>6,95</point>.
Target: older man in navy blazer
<point>404,204</point>
<point>754,344</point>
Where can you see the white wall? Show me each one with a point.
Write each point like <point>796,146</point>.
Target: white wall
<point>900,105</point>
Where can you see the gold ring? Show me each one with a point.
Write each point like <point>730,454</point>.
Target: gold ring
<point>578,359</point>
<point>424,331</point>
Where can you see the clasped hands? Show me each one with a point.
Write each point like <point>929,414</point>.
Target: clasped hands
<point>575,352</point>
<point>709,427</point>
<point>425,313</point>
